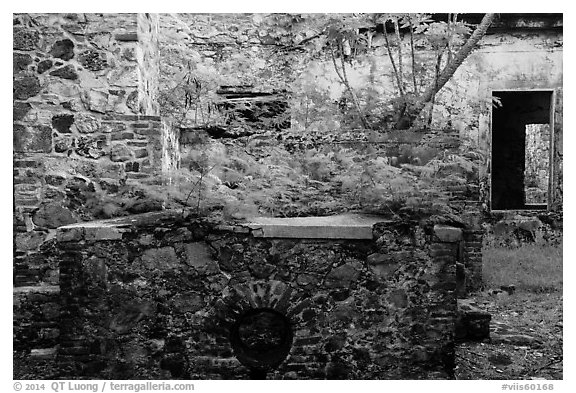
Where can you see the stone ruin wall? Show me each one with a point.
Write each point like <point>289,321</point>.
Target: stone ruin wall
<point>86,121</point>
<point>102,74</point>
<point>159,300</point>
<point>82,124</point>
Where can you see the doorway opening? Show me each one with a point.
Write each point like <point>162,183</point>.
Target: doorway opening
<point>522,142</point>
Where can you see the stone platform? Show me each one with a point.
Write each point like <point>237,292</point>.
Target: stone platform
<point>161,295</point>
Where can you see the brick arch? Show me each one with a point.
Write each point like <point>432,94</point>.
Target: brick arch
<point>268,297</point>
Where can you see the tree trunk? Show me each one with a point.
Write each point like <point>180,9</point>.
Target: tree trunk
<point>344,79</point>
<point>396,74</point>
<point>449,69</point>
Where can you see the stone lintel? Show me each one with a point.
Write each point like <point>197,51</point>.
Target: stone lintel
<point>113,228</point>
<point>43,289</point>
<point>94,230</point>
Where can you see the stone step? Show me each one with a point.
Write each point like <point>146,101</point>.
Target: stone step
<point>44,289</point>
<point>36,314</point>
<point>502,333</point>
<point>43,353</point>
<point>472,323</point>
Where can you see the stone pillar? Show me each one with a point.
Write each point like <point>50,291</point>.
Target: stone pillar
<point>85,116</point>
<point>472,259</point>
<point>444,250</point>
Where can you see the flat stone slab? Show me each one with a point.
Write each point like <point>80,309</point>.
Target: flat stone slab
<point>342,226</point>
<point>135,220</point>
<point>113,228</point>
<point>44,289</point>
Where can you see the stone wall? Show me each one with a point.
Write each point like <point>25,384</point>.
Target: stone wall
<point>79,131</point>
<point>148,64</point>
<point>518,54</point>
<point>97,154</point>
<point>160,297</point>
<point>514,229</point>
<point>87,92</point>
<point>211,51</point>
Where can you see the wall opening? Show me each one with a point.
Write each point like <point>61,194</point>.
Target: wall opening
<point>522,127</point>
<point>261,339</point>
<point>246,105</point>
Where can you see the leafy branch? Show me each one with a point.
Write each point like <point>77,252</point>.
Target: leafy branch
<point>356,30</point>
<point>451,67</point>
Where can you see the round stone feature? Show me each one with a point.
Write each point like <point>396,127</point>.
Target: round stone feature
<point>261,339</point>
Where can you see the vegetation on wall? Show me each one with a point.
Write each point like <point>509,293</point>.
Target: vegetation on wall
<point>348,36</point>
<point>423,54</point>
<point>236,161</point>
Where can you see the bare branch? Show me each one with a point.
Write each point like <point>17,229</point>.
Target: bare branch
<point>398,81</point>
<point>413,54</point>
<point>453,65</point>
<point>399,38</point>
<point>344,79</point>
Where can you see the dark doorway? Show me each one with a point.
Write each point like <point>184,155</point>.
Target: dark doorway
<point>521,146</point>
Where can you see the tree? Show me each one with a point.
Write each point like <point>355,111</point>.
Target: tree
<point>448,70</point>
<point>344,35</point>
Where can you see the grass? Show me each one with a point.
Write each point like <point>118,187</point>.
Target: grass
<point>531,268</point>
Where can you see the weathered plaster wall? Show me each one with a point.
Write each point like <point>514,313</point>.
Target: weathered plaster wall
<point>510,60</point>
<point>159,299</point>
<point>85,121</point>
<point>519,62</point>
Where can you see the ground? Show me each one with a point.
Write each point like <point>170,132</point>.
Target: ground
<point>527,325</point>
<point>535,320</point>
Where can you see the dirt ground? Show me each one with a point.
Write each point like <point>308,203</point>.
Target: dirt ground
<point>526,339</point>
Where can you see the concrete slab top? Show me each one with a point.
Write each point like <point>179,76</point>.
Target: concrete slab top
<point>341,226</point>
<point>151,218</point>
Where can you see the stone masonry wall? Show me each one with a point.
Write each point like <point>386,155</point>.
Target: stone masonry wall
<point>148,64</point>
<point>78,129</point>
<point>246,51</point>
<point>85,113</point>
<point>517,57</point>
<point>79,133</point>
<point>160,300</point>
